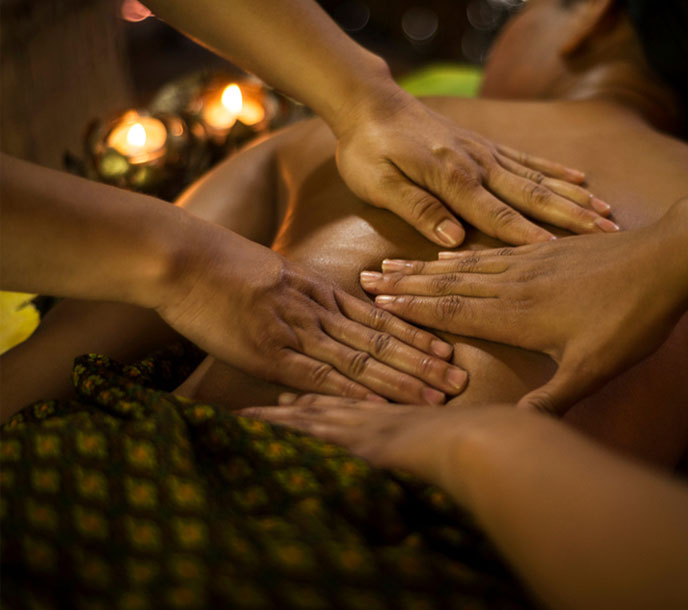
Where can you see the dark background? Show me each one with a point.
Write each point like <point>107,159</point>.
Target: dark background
<point>407,33</point>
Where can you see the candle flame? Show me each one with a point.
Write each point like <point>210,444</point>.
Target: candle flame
<point>136,136</point>
<point>231,98</point>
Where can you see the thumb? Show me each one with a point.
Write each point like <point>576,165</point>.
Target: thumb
<point>558,394</point>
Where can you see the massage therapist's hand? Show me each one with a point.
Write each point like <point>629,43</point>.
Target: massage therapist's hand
<point>402,156</point>
<point>388,435</point>
<point>393,151</point>
<point>597,304</point>
<point>247,306</point>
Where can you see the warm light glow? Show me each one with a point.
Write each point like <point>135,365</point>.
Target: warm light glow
<point>231,98</point>
<point>252,112</point>
<point>136,136</point>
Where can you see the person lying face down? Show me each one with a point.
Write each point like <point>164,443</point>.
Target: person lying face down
<point>592,102</point>
<point>586,97</point>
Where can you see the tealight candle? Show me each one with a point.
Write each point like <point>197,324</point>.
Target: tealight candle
<point>252,112</point>
<point>152,153</point>
<point>140,139</point>
<point>220,109</point>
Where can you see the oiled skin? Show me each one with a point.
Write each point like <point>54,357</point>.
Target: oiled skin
<point>325,227</point>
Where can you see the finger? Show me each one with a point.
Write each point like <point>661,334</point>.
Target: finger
<point>464,284</point>
<point>289,399</point>
<point>310,374</point>
<point>539,202</point>
<point>499,220</point>
<point>423,211</point>
<point>467,316</point>
<point>390,358</point>
<point>557,395</point>
<point>575,193</point>
<point>309,423</point>
<point>466,261</point>
<point>364,369</point>
<point>325,400</point>
<point>368,315</point>
<point>578,195</point>
<point>487,261</point>
<point>549,168</point>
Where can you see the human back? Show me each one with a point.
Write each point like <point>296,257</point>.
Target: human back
<point>628,163</point>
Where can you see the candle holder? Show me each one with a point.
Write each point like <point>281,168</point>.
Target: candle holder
<point>191,124</point>
<point>155,153</point>
<point>231,108</point>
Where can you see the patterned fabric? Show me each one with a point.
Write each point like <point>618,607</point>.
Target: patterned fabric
<point>131,498</point>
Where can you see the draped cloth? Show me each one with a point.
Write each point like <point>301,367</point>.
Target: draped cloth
<point>132,498</point>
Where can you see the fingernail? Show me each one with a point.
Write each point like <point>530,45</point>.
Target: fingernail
<point>394,265</point>
<point>450,254</point>
<point>370,277</point>
<point>433,397</point>
<point>384,299</point>
<point>457,379</point>
<point>441,349</point>
<point>543,236</point>
<point>575,175</point>
<point>606,225</point>
<point>286,398</point>
<point>450,233</point>
<point>600,206</point>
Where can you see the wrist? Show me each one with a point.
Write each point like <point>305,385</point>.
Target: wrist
<point>369,94</point>
<point>178,243</point>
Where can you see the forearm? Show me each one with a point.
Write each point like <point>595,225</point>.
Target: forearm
<point>294,46</point>
<point>583,527</point>
<point>70,237</point>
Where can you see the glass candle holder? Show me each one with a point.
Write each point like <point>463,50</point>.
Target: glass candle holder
<point>233,110</point>
<point>141,151</point>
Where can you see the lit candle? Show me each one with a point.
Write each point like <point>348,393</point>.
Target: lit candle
<point>220,111</point>
<point>252,112</point>
<point>138,138</point>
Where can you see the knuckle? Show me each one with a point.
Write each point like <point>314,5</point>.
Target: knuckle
<point>504,216</point>
<point>536,177</point>
<point>544,401</point>
<point>505,252</point>
<point>468,264</point>
<point>537,195</point>
<point>448,308</point>
<point>358,364</point>
<point>423,206</point>
<point>462,178</point>
<point>442,284</point>
<point>320,374</point>
<point>378,318</point>
<point>380,344</point>
<point>426,367</point>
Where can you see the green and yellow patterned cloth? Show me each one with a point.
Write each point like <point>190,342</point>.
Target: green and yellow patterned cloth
<point>131,498</point>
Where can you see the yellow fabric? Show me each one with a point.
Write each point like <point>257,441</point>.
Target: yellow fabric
<point>18,318</point>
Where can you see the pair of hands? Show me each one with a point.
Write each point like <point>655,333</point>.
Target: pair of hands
<point>595,304</point>
<point>248,306</point>
<point>253,309</point>
<point>387,435</point>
